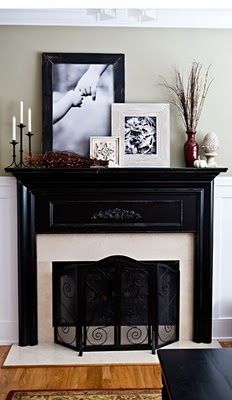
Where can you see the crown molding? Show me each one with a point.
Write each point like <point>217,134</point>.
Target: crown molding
<point>112,17</point>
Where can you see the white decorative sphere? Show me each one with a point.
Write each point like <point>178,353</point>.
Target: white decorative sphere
<point>210,143</point>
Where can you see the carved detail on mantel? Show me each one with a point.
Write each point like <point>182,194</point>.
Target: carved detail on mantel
<point>116,214</point>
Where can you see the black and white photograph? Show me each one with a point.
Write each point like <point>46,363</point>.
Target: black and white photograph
<point>143,130</point>
<point>140,135</point>
<point>78,92</point>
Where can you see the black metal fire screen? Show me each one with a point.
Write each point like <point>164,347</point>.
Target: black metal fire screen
<point>116,304</point>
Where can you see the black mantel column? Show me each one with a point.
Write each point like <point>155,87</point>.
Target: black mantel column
<point>203,266</point>
<point>27,277</point>
<point>115,200</point>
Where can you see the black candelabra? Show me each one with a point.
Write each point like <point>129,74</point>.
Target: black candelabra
<point>29,135</point>
<point>14,143</point>
<point>21,128</point>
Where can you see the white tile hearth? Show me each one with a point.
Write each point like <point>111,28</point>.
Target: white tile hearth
<point>53,354</point>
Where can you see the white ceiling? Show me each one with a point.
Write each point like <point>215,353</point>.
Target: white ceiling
<point>113,17</point>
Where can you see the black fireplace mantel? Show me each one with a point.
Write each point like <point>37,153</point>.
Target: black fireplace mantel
<point>115,200</point>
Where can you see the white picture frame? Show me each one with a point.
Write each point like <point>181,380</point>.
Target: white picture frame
<point>144,134</point>
<point>105,148</point>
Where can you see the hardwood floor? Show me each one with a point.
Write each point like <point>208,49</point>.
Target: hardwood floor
<point>226,343</point>
<point>86,377</point>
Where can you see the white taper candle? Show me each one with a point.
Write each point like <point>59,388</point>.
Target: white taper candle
<point>29,120</point>
<point>13,128</point>
<point>21,112</point>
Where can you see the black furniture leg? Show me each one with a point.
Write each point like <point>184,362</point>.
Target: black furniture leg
<point>165,395</point>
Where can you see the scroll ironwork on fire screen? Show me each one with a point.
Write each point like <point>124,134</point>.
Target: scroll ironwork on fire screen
<point>116,304</point>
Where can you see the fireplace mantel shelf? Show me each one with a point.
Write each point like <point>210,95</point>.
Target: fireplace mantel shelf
<point>97,200</point>
<point>119,173</point>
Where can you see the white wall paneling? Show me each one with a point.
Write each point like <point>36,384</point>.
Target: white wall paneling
<point>222,294</point>
<point>8,261</point>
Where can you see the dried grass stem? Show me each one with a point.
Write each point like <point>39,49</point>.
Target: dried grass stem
<point>189,99</point>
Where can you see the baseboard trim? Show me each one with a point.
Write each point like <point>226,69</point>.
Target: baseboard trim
<point>8,332</point>
<point>222,328</point>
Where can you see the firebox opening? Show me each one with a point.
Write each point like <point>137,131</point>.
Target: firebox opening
<point>117,303</point>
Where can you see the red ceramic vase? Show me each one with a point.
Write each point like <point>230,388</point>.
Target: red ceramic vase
<point>190,149</point>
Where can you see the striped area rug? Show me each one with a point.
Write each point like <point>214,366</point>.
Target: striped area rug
<point>85,395</point>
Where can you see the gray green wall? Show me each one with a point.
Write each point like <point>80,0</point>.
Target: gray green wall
<point>149,53</point>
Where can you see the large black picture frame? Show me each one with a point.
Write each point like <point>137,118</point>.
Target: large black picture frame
<point>48,62</point>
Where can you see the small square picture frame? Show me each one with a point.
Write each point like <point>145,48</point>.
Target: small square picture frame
<point>105,148</point>
<point>144,134</point>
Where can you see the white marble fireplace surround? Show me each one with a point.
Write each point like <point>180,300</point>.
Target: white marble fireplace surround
<point>92,247</point>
